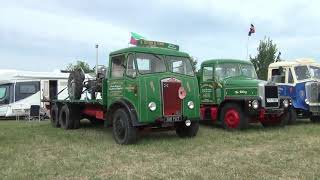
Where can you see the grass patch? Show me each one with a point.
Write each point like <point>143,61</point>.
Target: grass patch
<point>38,151</point>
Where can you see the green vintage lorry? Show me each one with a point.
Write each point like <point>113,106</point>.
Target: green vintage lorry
<point>231,94</point>
<point>152,85</point>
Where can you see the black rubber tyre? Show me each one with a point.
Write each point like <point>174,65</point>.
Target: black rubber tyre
<point>240,121</point>
<point>75,116</point>
<point>123,131</point>
<point>281,122</point>
<point>54,113</point>
<point>266,124</point>
<point>292,116</point>
<point>285,118</point>
<point>64,118</point>
<point>315,119</point>
<point>75,84</point>
<point>184,131</point>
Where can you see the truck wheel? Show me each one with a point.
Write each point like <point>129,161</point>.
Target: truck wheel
<point>232,117</point>
<point>271,121</point>
<point>315,119</point>
<point>292,116</point>
<point>284,119</point>
<point>123,131</point>
<point>64,118</point>
<point>54,113</point>
<point>184,131</point>
<point>75,116</point>
<point>75,84</point>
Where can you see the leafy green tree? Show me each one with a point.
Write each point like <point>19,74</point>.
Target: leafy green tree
<point>266,55</point>
<point>194,63</point>
<point>80,64</point>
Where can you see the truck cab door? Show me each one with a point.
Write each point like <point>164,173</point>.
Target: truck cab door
<point>279,76</point>
<point>290,90</point>
<point>131,82</point>
<point>207,85</point>
<point>116,78</point>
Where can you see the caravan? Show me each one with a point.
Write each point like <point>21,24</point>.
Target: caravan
<point>21,89</point>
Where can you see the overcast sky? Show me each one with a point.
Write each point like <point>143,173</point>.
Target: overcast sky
<point>42,35</point>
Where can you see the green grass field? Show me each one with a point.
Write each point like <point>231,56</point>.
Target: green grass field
<point>38,151</point>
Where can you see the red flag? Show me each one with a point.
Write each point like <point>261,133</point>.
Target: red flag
<point>252,30</point>
<point>133,41</point>
<point>135,37</point>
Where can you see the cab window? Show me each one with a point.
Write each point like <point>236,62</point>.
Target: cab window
<point>302,72</point>
<point>207,73</point>
<point>290,77</point>
<point>150,63</point>
<point>278,75</point>
<point>118,66</point>
<point>131,67</point>
<point>226,70</point>
<point>180,65</point>
<point>315,72</point>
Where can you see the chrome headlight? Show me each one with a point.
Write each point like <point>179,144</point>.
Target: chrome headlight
<point>307,101</point>
<point>255,104</point>
<point>190,105</point>
<point>152,106</point>
<point>188,123</point>
<point>285,103</point>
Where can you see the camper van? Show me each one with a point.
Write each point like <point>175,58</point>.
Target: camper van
<point>21,89</point>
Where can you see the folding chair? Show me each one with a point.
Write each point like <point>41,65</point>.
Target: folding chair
<point>34,112</point>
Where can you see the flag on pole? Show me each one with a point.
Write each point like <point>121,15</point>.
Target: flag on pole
<point>251,30</point>
<point>135,37</point>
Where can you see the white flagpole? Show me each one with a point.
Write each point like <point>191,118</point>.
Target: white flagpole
<point>97,59</point>
<point>248,47</point>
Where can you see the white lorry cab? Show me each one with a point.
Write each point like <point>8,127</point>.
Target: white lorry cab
<point>21,89</point>
<point>300,80</point>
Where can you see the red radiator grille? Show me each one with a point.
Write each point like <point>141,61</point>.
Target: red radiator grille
<point>171,100</point>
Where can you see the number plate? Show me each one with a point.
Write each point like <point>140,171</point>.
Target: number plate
<point>272,100</point>
<point>173,119</point>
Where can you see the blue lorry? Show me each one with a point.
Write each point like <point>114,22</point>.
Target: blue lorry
<point>300,80</point>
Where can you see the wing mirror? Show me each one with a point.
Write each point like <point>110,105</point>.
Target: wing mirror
<point>134,75</point>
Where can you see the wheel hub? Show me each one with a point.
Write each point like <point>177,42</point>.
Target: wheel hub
<point>232,118</point>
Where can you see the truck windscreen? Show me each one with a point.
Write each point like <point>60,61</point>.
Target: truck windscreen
<point>180,65</point>
<point>315,72</point>
<point>302,72</point>
<point>248,70</point>
<point>149,63</point>
<point>226,70</point>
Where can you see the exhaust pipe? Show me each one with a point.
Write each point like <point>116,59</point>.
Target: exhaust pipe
<point>97,59</point>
